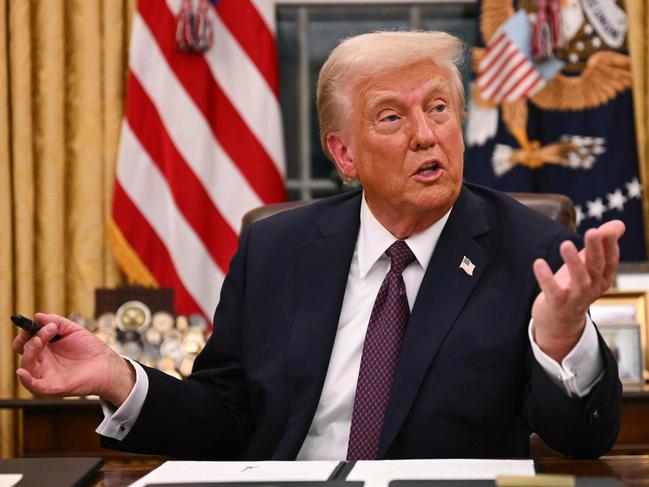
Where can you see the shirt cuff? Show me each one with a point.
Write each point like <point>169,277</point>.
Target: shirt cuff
<point>118,422</point>
<point>581,369</point>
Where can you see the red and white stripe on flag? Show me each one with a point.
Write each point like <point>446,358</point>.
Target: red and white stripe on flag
<point>505,73</point>
<point>201,144</point>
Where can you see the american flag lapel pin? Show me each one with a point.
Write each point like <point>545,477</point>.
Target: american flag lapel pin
<point>467,266</point>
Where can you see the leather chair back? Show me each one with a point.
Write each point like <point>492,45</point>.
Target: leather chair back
<point>557,207</point>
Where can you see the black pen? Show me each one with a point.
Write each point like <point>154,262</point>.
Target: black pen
<point>30,326</point>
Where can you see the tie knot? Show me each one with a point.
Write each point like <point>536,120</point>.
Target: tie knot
<point>401,256</point>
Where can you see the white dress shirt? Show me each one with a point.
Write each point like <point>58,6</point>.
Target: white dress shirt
<point>329,432</point>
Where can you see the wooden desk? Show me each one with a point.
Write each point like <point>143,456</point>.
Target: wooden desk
<point>121,473</point>
<point>633,471</point>
<point>66,427</point>
<point>634,432</point>
<point>60,427</point>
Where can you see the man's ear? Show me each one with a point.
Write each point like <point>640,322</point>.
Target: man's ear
<point>342,154</point>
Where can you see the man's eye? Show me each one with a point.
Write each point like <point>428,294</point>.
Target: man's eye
<point>389,118</point>
<point>440,108</point>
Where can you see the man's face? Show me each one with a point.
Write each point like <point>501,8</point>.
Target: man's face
<point>403,141</point>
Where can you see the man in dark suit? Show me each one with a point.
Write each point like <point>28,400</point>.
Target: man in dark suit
<point>388,323</point>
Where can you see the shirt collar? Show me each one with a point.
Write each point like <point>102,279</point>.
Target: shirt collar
<point>374,239</point>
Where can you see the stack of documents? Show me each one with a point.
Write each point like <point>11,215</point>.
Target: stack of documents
<point>372,473</point>
<point>10,479</point>
<point>380,473</point>
<point>192,472</point>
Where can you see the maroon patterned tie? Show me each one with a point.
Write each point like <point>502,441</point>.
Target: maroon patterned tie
<point>383,338</point>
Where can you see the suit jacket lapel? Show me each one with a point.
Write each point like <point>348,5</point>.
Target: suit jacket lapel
<point>443,292</point>
<point>321,269</point>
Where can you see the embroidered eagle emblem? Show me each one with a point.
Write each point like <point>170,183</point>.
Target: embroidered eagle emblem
<point>595,70</point>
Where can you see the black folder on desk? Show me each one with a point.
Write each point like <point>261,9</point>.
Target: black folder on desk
<point>580,482</point>
<point>52,472</point>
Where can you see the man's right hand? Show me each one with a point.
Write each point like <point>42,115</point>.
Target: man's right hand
<point>79,364</point>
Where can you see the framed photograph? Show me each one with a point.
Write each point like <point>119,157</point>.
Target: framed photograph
<point>632,276</point>
<point>621,318</point>
<point>624,342</point>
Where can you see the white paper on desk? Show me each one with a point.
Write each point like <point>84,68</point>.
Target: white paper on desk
<point>380,473</point>
<point>10,479</point>
<point>170,472</point>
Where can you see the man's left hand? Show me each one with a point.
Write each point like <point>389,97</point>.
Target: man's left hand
<point>559,311</point>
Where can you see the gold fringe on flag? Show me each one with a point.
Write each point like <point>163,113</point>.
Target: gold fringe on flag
<point>136,271</point>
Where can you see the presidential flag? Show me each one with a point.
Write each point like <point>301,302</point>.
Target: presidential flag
<point>575,135</point>
<point>201,142</point>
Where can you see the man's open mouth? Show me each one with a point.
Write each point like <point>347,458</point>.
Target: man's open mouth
<point>428,168</point>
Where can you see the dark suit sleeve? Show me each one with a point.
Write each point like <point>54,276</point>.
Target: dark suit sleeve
<point>207,415</point>
<point>579,427</point>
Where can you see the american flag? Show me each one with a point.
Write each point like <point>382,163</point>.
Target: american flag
<point>507,71</point>
<point>201,144</point>
<point>467,266</point>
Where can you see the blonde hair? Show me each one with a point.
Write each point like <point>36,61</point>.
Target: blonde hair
<point>367,55</point>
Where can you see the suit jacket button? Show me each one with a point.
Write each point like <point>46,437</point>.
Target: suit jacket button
<point>594,415</point>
